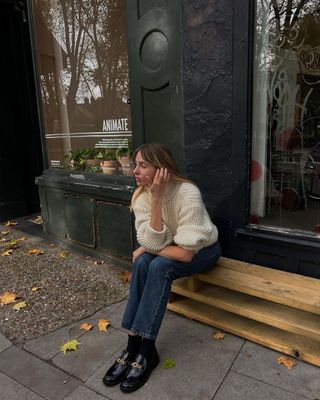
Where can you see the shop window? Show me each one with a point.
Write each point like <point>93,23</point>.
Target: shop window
<point>83,73</point>
<point>285,165</point>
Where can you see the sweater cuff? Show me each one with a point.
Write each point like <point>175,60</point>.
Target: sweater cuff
<point>155,240</point>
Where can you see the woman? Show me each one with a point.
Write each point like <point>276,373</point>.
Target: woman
<point>177,239</point>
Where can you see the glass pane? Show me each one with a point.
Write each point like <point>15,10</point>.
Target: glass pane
<point>285,166</point>
<point>83,66</point>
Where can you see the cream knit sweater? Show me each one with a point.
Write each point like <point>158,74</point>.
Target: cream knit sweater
<point>186,221</point>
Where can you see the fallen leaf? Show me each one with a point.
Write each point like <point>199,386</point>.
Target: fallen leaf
<point>22,239</point>
<point>7,298</point>
<point>19,305</point>
<point>103,324</point>
<point>169,363</point>
<point>85,326</point>
<point>218,336</point>
<point>35,289</point>
<point>7,253</point>
<point>11,223</point>
<point>63,254</point>
<point>4,233</point>
<point>286,361</point>
<point>12,244</point>
<point>52,245</point>
<point>71,345</point>
<point>125,276</point>
<point>37,220</point>
<point>4,239</point>
<point>36,251</point>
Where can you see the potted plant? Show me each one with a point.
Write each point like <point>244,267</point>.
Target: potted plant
<point>124,156</point>
<point>76,159</point>
<point>109,163</point>
<point>92,159</point>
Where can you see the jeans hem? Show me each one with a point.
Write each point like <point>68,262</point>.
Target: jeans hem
<point>142,334</point>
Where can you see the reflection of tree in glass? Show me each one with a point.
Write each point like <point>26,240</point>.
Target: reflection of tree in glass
<point>91,33</point>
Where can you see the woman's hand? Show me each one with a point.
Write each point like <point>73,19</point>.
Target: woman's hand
<point>138,252</point>
<point>159,182</point>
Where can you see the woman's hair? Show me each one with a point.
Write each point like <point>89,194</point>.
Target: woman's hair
<point>159,156</point>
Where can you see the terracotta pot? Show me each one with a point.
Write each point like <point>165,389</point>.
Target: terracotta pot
<point>110,167</point>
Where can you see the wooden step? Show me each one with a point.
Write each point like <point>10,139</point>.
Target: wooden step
<point>281,287</point>
<point>289,343</point>
<point>274,314</point>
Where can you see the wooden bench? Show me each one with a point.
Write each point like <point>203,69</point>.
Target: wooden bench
<point>277,309</point>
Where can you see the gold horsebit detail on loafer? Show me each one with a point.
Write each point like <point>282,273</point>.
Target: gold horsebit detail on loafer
<point>136,365</point>
<point>121,361</point>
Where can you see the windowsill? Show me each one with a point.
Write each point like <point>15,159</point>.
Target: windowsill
<point>280,236</point>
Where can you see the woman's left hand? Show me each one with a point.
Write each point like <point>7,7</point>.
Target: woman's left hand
<point>138,252</point>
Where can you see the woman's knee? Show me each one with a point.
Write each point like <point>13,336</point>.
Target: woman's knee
<point>160,267</point>
<point>142,262</point>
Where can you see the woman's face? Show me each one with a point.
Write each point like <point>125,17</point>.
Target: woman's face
<point>143,169</point>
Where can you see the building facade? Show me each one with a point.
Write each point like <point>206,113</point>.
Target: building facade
<point>231,87</point>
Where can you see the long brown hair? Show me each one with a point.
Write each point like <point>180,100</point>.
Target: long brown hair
<point>159,156</point>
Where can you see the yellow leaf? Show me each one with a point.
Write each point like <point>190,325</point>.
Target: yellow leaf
<point>11,223</point>
<point>37,220</point>
<point>22,239</point>
<point>71,345</point>
<point>3,239</point>
<point>85,326</point>
<point>4,233</point>
<point>125,276</point>
<point>7,253</point>
<point>286,361</point>
<point>103,324</point>
<point>19,305</point>
<point>218,336</point>
<point>7,298</point>
<point>12,244</point>
<point>63,254</point>
<point>36,251</point>
<point>35,289</point>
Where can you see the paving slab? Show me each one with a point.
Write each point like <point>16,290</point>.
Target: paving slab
<point>239,387</point>
<point>36,375</point>
<point>261,363</point>
<point>201,363</point>
<point>4,343</point>
<point>94,350</point>
<point>11,390</point>
<point>47,347</point>
<point>83,393</point>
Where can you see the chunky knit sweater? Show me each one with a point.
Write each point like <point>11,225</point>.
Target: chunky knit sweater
<point>185,219</point>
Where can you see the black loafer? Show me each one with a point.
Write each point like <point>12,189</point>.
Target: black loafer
<point>139,373</point>
<point>118,370</point>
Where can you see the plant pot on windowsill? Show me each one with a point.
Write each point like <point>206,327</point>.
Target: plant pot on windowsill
<point>110,167</point>
<point>126,165</point>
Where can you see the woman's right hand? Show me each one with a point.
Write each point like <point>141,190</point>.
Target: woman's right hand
<point>158,185</point>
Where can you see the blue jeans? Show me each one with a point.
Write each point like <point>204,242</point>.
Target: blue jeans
<point>150,287</point>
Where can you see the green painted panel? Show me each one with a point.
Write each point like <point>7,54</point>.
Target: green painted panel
<point>156,103</point>
<point>114,228</point>
<point>54,210</point>
<point>155,65</point>
<point>80,219</point>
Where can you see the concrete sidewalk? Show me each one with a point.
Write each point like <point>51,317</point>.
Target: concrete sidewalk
<point>228,369</point>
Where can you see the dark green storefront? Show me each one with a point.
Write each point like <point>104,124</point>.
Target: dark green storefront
<point>194,73</point>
